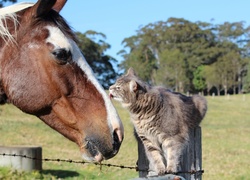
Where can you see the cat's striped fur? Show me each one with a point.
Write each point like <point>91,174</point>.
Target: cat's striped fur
<point>162,119</point>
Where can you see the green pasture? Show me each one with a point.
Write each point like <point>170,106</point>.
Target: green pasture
<point>225,143</point>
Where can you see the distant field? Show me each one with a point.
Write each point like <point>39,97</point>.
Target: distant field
<point>226,138</point>
<point>225,142</point>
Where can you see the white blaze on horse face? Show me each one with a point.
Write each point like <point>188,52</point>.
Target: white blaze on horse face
<point>59,40</point>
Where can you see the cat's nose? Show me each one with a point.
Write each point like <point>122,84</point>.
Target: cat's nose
<point>111,87</point>
<point>110,94</point>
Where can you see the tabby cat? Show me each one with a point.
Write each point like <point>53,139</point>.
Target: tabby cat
<point>162,119</point>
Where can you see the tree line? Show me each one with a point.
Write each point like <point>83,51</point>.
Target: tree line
<point>191,56</point>
<point>182,55</point>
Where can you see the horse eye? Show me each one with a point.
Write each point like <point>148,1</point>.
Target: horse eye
<point>62,55</point>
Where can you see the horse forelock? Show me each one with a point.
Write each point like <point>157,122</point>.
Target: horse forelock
<point>9,13</point>
<point>15,8</point>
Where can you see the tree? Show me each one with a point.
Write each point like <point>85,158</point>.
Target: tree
<point>171,71</point>
<point>93,47</point>
<point>232,37</point>
<point>191,43</point>
<point>213,77</point>
<point>4,1</point>
<point>140,58</point>
<point>246,86</point>
<point>178,53</point>
<point>199,80</point>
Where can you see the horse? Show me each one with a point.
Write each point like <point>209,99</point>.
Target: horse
<point>44,73</point>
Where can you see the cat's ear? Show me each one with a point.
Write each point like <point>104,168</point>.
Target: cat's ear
<point>131,71</point>
<point>133,86</point>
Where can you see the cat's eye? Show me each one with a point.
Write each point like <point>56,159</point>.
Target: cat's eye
<point>118,87</point>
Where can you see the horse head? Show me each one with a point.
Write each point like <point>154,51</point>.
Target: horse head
<point>43,72</point>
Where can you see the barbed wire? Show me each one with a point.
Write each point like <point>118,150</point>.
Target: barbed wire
<point>67,161</point>
<point>136,168</point>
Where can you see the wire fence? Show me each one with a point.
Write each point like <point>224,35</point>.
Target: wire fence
<point>98,164</point>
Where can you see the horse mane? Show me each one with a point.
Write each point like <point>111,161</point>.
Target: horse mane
<point>15,8</point>
<point>9,13</point>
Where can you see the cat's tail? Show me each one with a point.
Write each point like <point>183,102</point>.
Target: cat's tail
<point>201,105</point>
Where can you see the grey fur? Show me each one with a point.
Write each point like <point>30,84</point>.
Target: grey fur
<point>162,119</point>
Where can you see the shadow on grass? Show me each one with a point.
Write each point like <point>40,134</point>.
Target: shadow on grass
<point>61,173</point>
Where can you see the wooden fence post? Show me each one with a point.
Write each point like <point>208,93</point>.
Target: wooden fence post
<point>142,163</point>
<point>190,161</point>
<point>19,162</point>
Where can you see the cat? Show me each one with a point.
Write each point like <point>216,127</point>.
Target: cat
<point>162,119</point>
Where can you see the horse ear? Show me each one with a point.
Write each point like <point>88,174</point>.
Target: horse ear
<point>42,7</point>
<point>59,5</point>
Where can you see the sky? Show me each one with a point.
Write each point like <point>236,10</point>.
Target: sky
<point>120,19</point>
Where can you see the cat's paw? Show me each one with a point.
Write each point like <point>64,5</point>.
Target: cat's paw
<point>161,171</point>
<point>171,170</point>
<point>152,173</point>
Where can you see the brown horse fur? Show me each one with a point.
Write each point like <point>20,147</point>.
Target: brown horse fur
<point>43,73</point>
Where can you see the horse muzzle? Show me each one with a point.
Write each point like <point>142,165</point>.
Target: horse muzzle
<point>95,151</point>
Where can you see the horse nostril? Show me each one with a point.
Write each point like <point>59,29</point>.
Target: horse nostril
<point>119,135</point>
<point>117,140</point>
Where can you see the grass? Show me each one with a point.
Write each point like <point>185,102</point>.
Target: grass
<point>225,143</point>
<point>226,138</point>
<point>17,128</point>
